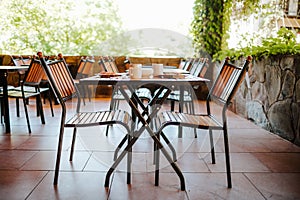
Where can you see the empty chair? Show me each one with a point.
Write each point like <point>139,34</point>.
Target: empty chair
<point>43,87</point>
<point>84,68</point>
<point>18,61</point>
<point>110,66</point>
<point>222,92</point>
<point>84,71</point>
<point>198,69</point>
<point>80,67</point>
<point>64,89</point>
<point>30,88</point>
<point>111,61</point>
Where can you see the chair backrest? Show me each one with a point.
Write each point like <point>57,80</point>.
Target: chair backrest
<point>61,81</point>
<point>106,64</point>
<point>227,82</point>
<point>101,65</point>
<point>199,67</point>
<point>26,61</point>
<point>113,64</point>
<point>81,66</point>
<point>204,68</point>
<point>87,67</point>
<point>182,63</point>
<point>196,66</point>
<point>187,64</point>
<point>34,74</point>
<point>17,60</point>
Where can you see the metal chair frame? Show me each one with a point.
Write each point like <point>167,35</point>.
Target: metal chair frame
<point>65,88</point>
<point>30,88</point>
<point>222,92</point>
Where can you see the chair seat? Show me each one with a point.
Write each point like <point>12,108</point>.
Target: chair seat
<point>84,119</point>
<point>142,93</point>
<point>117,95</point>
<point>9,87</point>
<point>175,97</point>
<point>18,94</point>
<point>189,120</point>
<point>30,89</point>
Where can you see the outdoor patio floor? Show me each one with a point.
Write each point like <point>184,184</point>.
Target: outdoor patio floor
<point>264,166</point>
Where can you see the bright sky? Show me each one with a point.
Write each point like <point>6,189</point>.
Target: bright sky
<point>175,15</point>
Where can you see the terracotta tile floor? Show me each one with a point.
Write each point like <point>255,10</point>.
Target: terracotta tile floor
<point>264,166</point>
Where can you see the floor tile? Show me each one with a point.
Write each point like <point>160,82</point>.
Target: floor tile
<point>15,159</point>
<point>214,186</point>
<point>279,186</point>
<point>45,160</point>
<point>142,187</point>
<point>16,185</point>
<point>12,141</point>
<point>240,162</point>
<point>280,162</point>
<point>71,185</point>
<point>187,162</point>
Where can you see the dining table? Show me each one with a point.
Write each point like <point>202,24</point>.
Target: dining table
<point>4,70</point>
<point>144,114</point>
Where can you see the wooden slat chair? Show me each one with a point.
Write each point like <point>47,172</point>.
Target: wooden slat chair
<point>198,69</point>
<point>84,68</point>
<point>65,88</point>
<point>113,64</point>
<point>79,76</point>
<point>221,93</point>
<point>45,91</point>
<point>84,71</point>
<point>80,67</point>
<point>30,88</point>
<point>26,60</point>
<point>18,61</point>
<point>109,65</point>
<point>185,64</point>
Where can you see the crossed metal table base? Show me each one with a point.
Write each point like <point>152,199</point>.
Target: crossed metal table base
<point>144,117</point>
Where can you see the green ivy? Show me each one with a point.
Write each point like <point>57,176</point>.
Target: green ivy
<point>211,22</point>
<point>207,26</point>
<point>283,44</point>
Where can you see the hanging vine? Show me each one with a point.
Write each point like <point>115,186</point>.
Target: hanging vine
<point>212,21</point>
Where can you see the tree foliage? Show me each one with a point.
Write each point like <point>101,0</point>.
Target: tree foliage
<point>67,26</point>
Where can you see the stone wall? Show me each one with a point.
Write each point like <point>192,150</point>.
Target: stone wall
<point>273,99</point>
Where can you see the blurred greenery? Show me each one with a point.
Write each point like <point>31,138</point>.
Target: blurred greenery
<point>80,27</point>
<point>71,27</point>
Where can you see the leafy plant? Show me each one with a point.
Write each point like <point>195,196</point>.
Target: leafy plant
<point>284,43</point>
